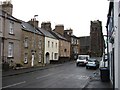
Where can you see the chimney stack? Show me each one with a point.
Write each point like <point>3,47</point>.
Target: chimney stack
<point>34,22</point>
<point>7,7</point>
<point>46,26</point>
<point>59,29</point>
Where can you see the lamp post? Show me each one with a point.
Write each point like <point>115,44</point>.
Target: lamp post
<point>33,51</point>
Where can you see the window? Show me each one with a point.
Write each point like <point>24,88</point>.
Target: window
<point>40,44</point>
<point>55,56</point>
<point>26,58</point>
<point>77,41</point>
<point>48,43</point>
<point>119,4</point>
<point>11,27</point>
<point>56,45</point>
<point>52,44</point>
<point>65,50</point>
<point>0,25</point>
<point>52,55</point>
<point>40,58</point>
<point>10,49</point>
<point>68,33</point>
<point>26,42</point>
<point>74,50</point>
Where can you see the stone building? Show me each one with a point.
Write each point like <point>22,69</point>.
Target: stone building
<point>32,45</point>
<point>96,39</point>
<point>75,45</point>
<point>64,44</point>
<point>11,35</point>
<point>51,48</point>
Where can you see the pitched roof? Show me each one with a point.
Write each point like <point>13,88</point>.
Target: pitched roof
<point>28,27</point>
<point>8,16</point>
<point>47,33</point>
<point>57,35</point>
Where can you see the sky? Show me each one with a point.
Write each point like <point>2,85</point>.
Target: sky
<point>74,14</point>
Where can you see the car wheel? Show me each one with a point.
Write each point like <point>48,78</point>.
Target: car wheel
<point>86,67</point>
<point>95,67</point>
<point>77,64</point>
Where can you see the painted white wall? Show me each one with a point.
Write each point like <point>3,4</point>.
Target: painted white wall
<point>117,45</point>
<point>51,49</point>
<point>1,34</point>
<point>119,51</point>
<point>1,30</point>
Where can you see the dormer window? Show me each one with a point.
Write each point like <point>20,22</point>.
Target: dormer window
<point>11,28</point>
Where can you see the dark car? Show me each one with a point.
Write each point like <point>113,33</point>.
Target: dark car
<point>92,63</point>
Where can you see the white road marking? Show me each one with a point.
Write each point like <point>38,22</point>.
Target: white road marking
<point>44,76</point>
<point>14,84</point>
<point>48,75</point>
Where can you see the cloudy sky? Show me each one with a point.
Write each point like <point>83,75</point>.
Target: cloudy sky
<point>75,14</point>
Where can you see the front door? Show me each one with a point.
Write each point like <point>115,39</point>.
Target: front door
<point>47,57</point>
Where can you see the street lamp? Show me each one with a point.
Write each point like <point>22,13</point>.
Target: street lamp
<point>33,51</point>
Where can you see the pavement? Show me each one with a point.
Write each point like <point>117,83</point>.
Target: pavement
<point>93,83</point>
<point>12,72</point>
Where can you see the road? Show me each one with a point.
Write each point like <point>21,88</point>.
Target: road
<point>63,76</point>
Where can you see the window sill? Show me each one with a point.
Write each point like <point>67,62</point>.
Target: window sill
<point>11,34</point>
<point>39,61</point>
<point>10,57</point>
<point>26,47</point>
<point>25,62</point>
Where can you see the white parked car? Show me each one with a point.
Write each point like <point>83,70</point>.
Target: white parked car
<point>82,60</point>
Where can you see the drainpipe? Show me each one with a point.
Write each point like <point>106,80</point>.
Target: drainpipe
<point>108,48</point>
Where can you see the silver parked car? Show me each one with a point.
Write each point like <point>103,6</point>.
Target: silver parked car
<point>92,63</point>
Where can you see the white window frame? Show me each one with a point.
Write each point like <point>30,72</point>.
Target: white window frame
<point>40,44</point>
<point>10,49</point>
<point>26,58</point>
<point>55,55</point>
<point>1,25</point>
<point>77,41</point>
<point>11,28</point>
<point>26,42</point>
<point>40,58</point>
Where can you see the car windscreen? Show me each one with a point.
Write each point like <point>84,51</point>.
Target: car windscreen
<point>82,58</point>
<point>91,60</point>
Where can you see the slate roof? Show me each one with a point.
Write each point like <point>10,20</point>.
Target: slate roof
<point>58,36</point>
<point>47,33</point>
<point>28,27</point>
<point>3,14</point>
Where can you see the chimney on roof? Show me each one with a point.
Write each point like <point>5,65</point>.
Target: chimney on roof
<point>59,29</point>
<point>34,22</point>
<point>46,26</point>
<point>7,7</point>
<point>68,32</point>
